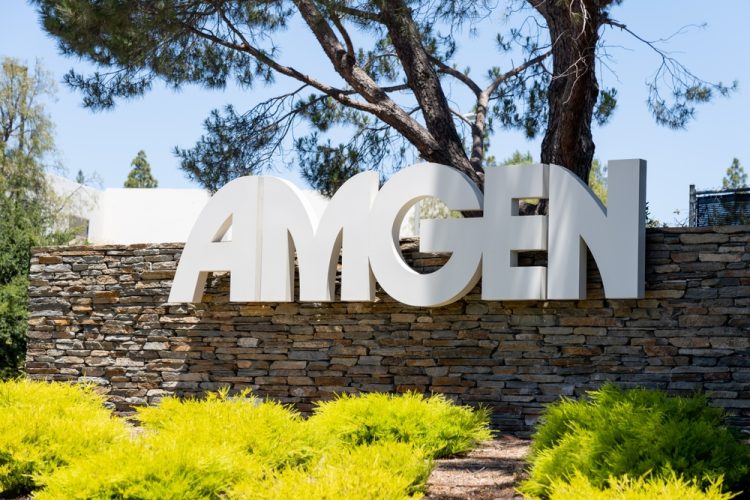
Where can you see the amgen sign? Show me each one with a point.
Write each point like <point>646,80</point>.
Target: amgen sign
<point>270,220</point>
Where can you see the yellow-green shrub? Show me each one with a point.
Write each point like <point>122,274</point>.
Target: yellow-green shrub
<point>626,488</point>
<point>242,447</point>
<point>46,425</point>
<point>272,433</point>
<point>635,432</point>
<point>380,471</point>
<point>152,467</point>
<point>434,424</point>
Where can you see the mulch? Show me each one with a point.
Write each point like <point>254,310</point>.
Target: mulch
<point>492,470</point>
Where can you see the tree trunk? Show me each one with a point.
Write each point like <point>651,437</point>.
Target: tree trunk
<point>423,79</point>
<point>573,91</point>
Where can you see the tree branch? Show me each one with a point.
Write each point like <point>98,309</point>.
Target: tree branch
<point>340,95</point>
<point>478,128</point>
<point>347,40</point>
<point>492,87</point>
<point>383,106</point>
<point>358,13</point>
<point>425,83</point>
<point>458,75</point>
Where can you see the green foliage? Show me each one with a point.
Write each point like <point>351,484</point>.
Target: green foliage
<point>381,108</point>
<point>688,91</point>
<point>434,424</point>
<point>155,467</point>
<point>159,467</point>
<point>384,470</point>
<point>670,487</point>
<point>598,180</point>
<point>325,167</point>
<point>12,325</point>
<point>597,175</point>
<point>518,158</point>
<point>27,205</point>
<point>605,106</point>
<point>243,447</point>
<point>45,426</point>
<point>637,433</point>
<point>271,432</point>
<point>134,44</point>
<point>735,178</point>
<point>650,221</point>
<point>140,175</point>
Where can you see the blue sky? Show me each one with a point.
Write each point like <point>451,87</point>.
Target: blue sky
<point>106,142</point>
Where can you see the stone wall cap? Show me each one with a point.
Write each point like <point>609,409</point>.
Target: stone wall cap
<point>709,229</point>
<point>411,243</point>
<point>103,248</point>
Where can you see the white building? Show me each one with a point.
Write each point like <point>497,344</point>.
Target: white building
<point>164,215</point>
<point>127,215</point>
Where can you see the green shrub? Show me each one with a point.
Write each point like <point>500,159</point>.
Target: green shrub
<point>272,433</point>
<point>158,467</point>
<point>380,471</point>
<point>44,426</point>
<point>13,321</point>
<point>242,447</point>
<point>637,433</point>
<point>152,467</point>
<point>434,424</point>
<point>625,488</point>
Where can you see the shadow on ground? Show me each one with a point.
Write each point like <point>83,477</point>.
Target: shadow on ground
<point>493,470</point>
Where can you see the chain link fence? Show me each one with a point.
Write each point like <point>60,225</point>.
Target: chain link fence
<point>726,207</point>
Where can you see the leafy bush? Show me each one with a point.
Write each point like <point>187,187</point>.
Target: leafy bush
<point>637,433</point>
<point>384,471</point>
<point>272,433</point>
<point>625,488</point>
<point>152,467</point>
<point>13,325</point>
<point>159,467</point>
<point>45,426</point>
<point>242,447</point>
<point>434,424</point>
<point>191,448</point>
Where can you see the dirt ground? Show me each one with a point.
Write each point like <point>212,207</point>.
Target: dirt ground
<point>493,470</point>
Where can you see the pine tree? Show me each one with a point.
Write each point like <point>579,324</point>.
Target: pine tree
<point>399,82</point>
<point>518,158</point>
<point>140,175</point>
<point>80,178</point>
<point>735,178</point>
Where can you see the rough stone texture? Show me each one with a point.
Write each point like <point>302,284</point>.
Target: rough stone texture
<point>99,314</point>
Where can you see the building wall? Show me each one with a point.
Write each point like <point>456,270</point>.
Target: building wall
<point>130,215</point>
<point>99,314</point>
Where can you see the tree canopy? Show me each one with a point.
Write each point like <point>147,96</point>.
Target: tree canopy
<point>735,178</point>
<point>395,86</point>
<point>140,175</point>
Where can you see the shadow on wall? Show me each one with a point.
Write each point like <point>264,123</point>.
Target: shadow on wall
<point>509,356</point>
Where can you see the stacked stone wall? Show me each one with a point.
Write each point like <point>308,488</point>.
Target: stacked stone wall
<point>99,313</point>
